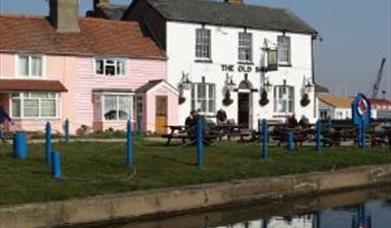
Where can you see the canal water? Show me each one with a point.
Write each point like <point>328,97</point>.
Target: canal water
<point>367,208</point>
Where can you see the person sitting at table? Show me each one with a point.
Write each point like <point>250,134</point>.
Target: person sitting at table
<point>304,122</point>
<point>292,121</point>
<point>221,116</point>
<point>190,123</point>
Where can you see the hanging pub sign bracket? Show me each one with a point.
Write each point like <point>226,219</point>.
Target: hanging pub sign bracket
<point>361,116</point>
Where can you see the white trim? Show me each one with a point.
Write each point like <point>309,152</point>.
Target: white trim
<point>168,86</point>
<point>115,59</point>
<point>29,76</point>
<point>58,108</point>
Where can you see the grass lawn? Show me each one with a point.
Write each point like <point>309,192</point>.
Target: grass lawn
<point>98,168</point>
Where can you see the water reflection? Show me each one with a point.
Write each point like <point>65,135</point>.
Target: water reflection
<point>356,209</point>
<point>365,215</point>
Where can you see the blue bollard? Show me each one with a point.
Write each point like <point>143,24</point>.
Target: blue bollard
<point>318,135</point>
<point>265,223</point>
<point>66,131</point>
<point>48,142</point>
<point>265,140</point>
<point>200,143</point>
<point>56,164</point>
<point>20,145</point>
<point>290,141</point>
<point>129,145</point>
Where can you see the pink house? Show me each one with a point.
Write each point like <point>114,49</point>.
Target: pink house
<point>94,72</point>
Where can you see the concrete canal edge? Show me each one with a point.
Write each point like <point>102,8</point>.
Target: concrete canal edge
<point>173,200</point>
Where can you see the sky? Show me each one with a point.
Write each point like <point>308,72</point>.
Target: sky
<point>356,36</point>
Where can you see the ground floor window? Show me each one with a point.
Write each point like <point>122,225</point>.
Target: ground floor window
<point>34,105</point>
<point>203,98</point>
<point>113,107</point>
<point>283,99</point>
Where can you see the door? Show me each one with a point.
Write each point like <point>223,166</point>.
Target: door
<point>244,109</point>
<point>161,114</point>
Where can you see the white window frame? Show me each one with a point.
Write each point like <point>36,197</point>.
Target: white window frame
<point>102,105</point>
<point>284,49</point>
<point>203,44</point>
<point>245,45</point>
<point>30,75</point>
<point>22,99</point>
<point>286,98</point>
<point>196,103</point>
<point>115,60</point>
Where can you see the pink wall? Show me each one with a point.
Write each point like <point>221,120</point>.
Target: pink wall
<point>77,75</point>
<point>150,113</point>
<point>138,73</point>
<point>61,68</point>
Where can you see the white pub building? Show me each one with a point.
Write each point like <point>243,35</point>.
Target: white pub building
<point>254,62</point>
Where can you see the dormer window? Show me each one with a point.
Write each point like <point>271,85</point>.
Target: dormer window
<point>30,66</point>
<point>203,43</point>
<point>245,47</point>
<point>110,67</point>
<point>284,50</point>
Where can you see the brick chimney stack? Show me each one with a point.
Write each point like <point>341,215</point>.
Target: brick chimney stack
<point>233,1</point>
<point>100,2</point>
<point>64,15</point>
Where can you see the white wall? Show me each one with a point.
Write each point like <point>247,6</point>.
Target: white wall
<point>224,45</point>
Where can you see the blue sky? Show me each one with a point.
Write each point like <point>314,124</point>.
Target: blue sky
<point>356,35</point>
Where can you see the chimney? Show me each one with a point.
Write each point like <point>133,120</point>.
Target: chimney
<point>234,1</point>
<point>64,15</point>
<point>100,2</point>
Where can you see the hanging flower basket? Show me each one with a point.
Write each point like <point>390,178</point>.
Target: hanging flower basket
<point>264,100</point>
<point>227,101</point>
<point>181,100</point>
<point>305,100</point>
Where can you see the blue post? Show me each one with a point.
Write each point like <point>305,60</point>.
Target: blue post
<point>265,140</point>
<point>66,130</point>
<point>318,135</point>
<point>200,144</point>
<point>290,141</point>
<point>48,142</point>
<point>56,164</point>
<point>363,128</point>
<point>129,146</point>
<point>20,145</point>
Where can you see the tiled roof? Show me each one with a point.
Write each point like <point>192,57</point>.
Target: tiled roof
<point>224,14</point>
<point>31,85</point>
<point>97,37</point>
<point>338,102</point>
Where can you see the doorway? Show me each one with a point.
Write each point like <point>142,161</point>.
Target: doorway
<point>161,115</point>
<point>244,109</point>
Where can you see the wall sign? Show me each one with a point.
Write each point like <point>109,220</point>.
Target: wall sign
<point>240,68</point>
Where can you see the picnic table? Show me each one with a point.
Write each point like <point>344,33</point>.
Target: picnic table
<point>181,132</point>
<point>231,130</point>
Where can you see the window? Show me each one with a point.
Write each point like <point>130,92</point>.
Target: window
<point>284,50</point>
<point>110,67</point>
<point>283,99</point>
<point>203,97</point>
<point>34,105</point>
<point>203,44</point>
<point>139,109</point>
<point>245,47</point>
<point>30,65</point>
<point>116,107</point>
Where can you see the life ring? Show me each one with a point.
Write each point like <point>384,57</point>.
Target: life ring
<point>362,106</point>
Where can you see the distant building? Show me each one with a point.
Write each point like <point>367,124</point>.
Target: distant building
<point>338,108</point>
<point>383,107</point>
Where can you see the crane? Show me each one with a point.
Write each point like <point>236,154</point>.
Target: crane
<point>376,86</point>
